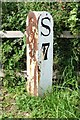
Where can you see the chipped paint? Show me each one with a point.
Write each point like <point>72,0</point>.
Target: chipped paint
<point>32,51</point>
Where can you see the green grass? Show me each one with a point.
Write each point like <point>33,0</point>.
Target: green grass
<point>60,103</point>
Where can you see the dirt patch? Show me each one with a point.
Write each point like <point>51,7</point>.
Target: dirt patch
<point>9,107</point>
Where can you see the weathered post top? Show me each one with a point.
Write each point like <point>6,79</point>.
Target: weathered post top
<point>39,33</point>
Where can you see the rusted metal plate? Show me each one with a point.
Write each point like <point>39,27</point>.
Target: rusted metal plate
<point>39,51</point>
<point>45,51</point>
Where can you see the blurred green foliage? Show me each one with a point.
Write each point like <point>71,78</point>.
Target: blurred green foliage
<point>66,51</point>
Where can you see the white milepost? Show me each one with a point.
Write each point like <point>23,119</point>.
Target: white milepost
<point>45,52</point>
<point>39,33</point>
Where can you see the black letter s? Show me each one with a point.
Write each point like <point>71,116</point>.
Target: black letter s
<point>46,26</point>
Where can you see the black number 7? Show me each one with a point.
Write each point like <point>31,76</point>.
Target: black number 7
<point>45,47</point>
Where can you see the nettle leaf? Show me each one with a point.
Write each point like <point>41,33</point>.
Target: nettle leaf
<point>73,11</point>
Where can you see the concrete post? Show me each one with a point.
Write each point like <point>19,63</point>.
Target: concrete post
<point>39,34</point>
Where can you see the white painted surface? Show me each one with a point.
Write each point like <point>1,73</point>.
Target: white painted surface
<point>45,66</point>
